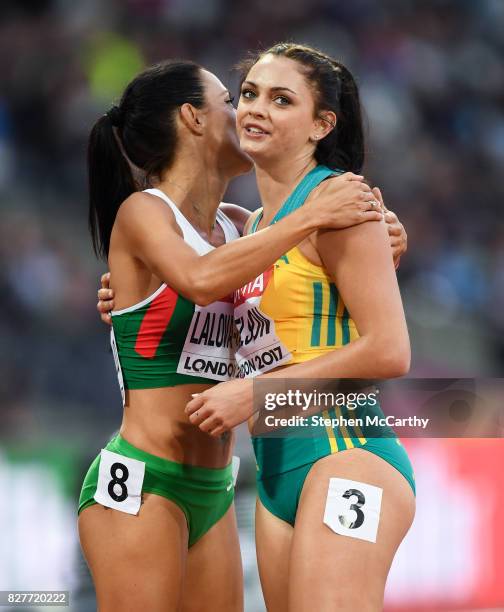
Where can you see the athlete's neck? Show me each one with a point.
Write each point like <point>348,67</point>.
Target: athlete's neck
<point>196,190</point>
<point>276,182</point>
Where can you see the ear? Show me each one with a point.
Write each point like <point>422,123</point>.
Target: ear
<point>323,125</point>
<point>192,118</point>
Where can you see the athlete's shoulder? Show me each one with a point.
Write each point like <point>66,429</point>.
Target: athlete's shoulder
<point>237,214</point>
<point>141,208</point>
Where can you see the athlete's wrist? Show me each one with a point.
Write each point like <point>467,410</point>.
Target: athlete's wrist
<point>310,220</point>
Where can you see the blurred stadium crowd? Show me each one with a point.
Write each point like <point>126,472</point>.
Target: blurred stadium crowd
<point>431,76</point>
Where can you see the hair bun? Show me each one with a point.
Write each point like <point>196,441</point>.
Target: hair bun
<point>115,116</point>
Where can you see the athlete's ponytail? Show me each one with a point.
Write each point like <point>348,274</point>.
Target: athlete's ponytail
<point>335,90</point>
<point>137,140</point>
<point>110,182</point>
<point>343,147</point>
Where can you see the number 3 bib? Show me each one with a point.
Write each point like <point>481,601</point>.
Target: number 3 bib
<point>260,350</point>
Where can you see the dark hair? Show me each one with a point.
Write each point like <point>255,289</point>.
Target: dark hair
<point>140,131</point>
<point>334,90</point>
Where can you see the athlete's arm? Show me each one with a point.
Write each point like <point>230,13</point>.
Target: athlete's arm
<point>150,234</point>
<point>242,219</point>
<point>153,237</point>
<point>238,215</point>
<point>348,201</point>
<point>358,258</point>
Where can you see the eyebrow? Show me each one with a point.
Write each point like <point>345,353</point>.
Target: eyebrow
<point>271,89</point>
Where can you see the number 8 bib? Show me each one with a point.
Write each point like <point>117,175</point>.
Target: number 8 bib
<point>120,481</point>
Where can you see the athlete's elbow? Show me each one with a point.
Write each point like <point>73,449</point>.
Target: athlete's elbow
<point>202,299</point>
<point>395,360</point>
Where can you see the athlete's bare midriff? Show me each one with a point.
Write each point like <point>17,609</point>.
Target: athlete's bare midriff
<point>154,421</point>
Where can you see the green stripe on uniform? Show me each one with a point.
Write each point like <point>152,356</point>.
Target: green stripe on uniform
<point>317,314</point>
<point>345,327</point>
<point>340,441</point>
<point>331,320</point>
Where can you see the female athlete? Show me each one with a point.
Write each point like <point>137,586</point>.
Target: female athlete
<point>334,507</point>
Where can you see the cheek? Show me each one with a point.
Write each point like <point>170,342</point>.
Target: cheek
<point>293,128</point>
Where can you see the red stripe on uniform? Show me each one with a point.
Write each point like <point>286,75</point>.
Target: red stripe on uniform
<point>253,289</point>
<point>154,324</point>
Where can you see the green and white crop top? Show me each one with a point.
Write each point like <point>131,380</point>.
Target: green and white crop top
<point>166,340</point>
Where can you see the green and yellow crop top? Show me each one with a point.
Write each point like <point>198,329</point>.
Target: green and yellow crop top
<point>166,340</point>
<point>292,312</point>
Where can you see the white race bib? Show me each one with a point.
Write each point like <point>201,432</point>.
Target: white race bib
<point>353,508</point>
<point>120,481</point>
<point>260,350</point>
<point>209,346</point>
<point>117,365</point>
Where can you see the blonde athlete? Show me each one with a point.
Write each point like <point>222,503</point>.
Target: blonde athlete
<point>334,507</point>
<point>156,520</point>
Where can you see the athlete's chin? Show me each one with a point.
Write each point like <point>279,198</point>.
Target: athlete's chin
<point>256,151</point>
<point>246,166</point>
<point>235,160</point>
<point>244,163</point>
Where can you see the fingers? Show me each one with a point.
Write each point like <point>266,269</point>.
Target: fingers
<point>367,195</point>
<point>378,195</point>
<point>200,416</point>
<point>104,307</point>
<point>195,404</point>
<point>208,422</point>
<point>105,280</point>
<point>218,431</point>
<point>350,176</point>
<point>204,417</point>
<point>391,217</point>
<point>105,294</point>
<point>106,318</point>
<point>370,205</point>
<point>335,183</point>
<point>393,230</point>
<point>369,215</point>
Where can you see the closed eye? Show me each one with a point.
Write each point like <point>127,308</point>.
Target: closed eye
<point>230,100</point>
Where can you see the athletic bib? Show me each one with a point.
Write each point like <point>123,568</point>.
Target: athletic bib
<point>259,348</point>
<point>209,344</point>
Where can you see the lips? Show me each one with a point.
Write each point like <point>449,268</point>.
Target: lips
<point>255,129</point>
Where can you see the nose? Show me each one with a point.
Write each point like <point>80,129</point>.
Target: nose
<point>257,107</point>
